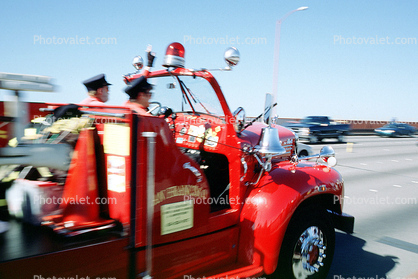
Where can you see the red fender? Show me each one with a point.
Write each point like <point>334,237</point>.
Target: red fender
<point>273,201</point>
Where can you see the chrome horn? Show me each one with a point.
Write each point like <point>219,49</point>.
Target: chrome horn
<point>327,154</point>
<point>327,151</point>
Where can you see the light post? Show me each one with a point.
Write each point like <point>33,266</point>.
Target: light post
<point>276,54</point>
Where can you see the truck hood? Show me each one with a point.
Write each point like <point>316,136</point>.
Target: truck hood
<point>251,136</point>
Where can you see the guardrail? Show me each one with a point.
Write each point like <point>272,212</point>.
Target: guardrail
<point>357,126</point>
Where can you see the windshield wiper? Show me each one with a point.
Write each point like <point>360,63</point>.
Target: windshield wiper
<point>185,96</point>
<point>193,96</point>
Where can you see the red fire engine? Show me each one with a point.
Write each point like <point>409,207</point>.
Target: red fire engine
<point>190,191</point>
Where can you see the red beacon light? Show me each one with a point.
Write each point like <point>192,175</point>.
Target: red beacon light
<point>174,56</point>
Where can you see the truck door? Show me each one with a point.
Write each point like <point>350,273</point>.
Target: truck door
<point>184,236</point>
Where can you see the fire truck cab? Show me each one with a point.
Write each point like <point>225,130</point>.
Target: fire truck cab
<point>190,191</point>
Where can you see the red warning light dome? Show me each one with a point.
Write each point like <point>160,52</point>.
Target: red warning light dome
<point>174,56</point>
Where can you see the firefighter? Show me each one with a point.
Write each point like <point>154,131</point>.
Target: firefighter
<point>98,90</point>
<point>139,95</point>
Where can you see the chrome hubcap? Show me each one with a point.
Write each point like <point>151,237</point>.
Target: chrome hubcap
<point>309,253</point>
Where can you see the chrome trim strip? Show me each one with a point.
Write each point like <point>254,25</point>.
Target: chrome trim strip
<point>150,198</point>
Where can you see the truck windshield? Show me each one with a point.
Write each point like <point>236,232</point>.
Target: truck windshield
<point>186,93</point>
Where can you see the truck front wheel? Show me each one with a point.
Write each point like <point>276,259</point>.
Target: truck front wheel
<point>308,246</point>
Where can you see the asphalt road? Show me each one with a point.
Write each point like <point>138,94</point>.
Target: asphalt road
<point>381,182</point>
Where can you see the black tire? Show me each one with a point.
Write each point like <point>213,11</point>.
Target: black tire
<point>303,153</point>
<point>309,225</point>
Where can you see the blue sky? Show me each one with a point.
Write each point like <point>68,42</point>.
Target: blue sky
<point>346,59</point>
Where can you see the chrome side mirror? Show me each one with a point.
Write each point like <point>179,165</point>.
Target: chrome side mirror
<point>240,119</point>
<point>231,56</point>
<point>138,62</point>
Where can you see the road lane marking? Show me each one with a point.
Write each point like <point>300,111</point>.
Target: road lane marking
<point>413,181</point>
<point>396,161</point>
<point>349,147</point>
<point>372,190</point>
<point>363,164</point>
<point>397,243</point>
<point>399,186</point>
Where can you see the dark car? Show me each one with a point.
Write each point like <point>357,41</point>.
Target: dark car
<point>395,130</point>
<point>316,128</point>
